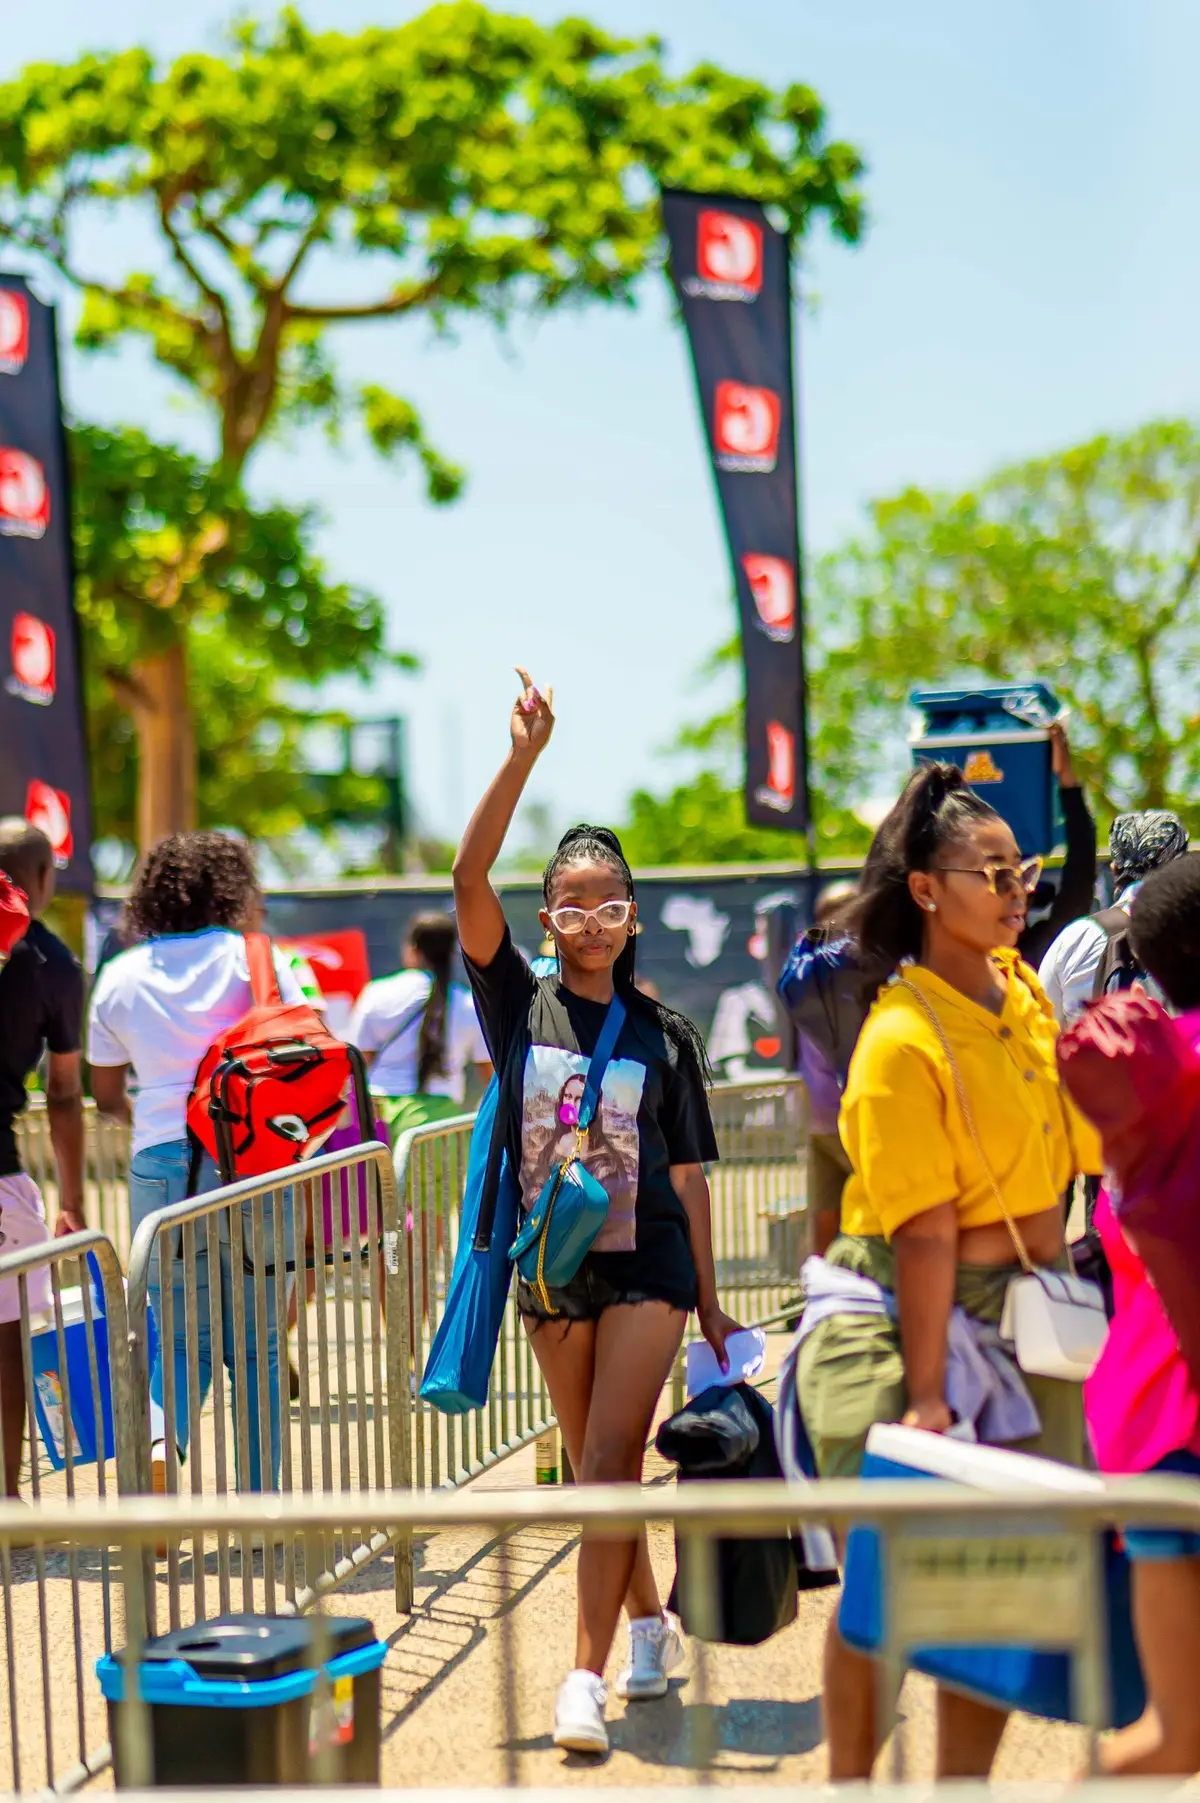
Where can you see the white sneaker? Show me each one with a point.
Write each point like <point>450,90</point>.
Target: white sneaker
<point>579,1714</point>
<point>655,1650</point>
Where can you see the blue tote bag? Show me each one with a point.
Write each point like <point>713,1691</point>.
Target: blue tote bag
<point>460,1360</point>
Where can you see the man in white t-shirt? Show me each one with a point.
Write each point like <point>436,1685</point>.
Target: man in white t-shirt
<point>1138,844</point>
<point>154,1012</point>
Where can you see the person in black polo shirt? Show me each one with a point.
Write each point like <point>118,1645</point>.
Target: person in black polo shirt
<point>41,1010</point>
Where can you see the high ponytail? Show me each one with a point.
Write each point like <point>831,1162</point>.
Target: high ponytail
<point>599,844</point>
<point>935,808</point>
<point>434,938</point>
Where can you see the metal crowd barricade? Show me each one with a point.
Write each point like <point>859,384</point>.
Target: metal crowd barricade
<point>219,1272</point>
<point>759,1196</point>
<point>58,1607</point>
<point>758,1242</point>
<point>105,1167</point>
<point>431,1169</point>
<point>957,1565</point>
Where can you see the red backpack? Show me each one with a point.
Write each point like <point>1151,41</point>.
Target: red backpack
<point>269,1091</point>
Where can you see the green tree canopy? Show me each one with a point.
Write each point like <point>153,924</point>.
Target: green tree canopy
<point>1082,568</point>
<point>470,162</point>
<point>172,558</point>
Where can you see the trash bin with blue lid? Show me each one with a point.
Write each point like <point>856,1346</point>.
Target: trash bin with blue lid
<point>1000,739</point>
<point>257,1699</point>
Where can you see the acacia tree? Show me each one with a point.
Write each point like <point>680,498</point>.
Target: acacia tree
<point>174,562</point>
<point>468,162</point>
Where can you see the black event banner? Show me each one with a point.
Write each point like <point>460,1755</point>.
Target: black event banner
<point>43,753</point>
<point>731,271</point>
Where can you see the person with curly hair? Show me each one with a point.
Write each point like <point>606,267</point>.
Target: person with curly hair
<point>155,1010</point>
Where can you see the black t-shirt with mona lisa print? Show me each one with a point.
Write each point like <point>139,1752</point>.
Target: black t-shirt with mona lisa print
<point>653,1113</point>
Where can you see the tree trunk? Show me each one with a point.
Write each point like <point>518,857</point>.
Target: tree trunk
<point>166,747</point>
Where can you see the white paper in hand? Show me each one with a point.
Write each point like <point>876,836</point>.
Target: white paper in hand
<point>746,1352</point>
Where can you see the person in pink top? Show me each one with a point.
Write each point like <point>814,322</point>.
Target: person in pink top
<point>1143,1404</point>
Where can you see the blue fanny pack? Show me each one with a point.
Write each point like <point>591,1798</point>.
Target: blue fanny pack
<point>559,1229</point>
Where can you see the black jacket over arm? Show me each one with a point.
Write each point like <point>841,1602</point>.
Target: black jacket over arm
<point>1077,889</point>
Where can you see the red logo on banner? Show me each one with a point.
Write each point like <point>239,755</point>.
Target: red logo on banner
<point>746,427</point>
<point>779,790</point>
<point>50,811</point>
<point>14,332</point>
<point>33,659</point>
<point>24,495</point>
<point>729,258</point>
<point>774,589</point>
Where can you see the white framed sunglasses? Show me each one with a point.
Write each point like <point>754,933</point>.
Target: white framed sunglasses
<point>609,915</point>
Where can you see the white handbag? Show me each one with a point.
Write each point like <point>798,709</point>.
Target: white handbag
<point>1054,1320</point>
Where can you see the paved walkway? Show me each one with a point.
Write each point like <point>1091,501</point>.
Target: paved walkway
<point>470,1679</point>
<point>470,1676</point>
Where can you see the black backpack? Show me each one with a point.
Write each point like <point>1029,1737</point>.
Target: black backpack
<point>1118,968</point>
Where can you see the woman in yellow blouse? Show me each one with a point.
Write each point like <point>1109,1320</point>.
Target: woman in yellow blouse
<point>943,902</point>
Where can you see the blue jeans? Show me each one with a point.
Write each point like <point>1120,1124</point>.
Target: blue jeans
<point>1166,1543</point>
<point>159,1177</point>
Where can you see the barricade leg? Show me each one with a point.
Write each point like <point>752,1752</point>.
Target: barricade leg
<point>70,1374</point>
<point>397,1285</point>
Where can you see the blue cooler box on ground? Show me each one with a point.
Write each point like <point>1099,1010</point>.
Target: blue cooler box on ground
<point>90,1439</point>
<point>239,1701</point>
<point>1000,740</point>
<point>50,1392</point>
<point>1027,1678</point>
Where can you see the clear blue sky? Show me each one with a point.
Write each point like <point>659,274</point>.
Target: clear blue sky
<point>1030,276</point>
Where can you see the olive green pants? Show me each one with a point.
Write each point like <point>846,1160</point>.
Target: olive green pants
<point>850,1372</point>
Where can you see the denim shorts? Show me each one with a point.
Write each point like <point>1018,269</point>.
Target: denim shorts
<point>586,1297</point>
<point>1166,1543</point>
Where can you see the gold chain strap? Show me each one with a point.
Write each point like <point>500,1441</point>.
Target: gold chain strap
<point>1018,1242</point>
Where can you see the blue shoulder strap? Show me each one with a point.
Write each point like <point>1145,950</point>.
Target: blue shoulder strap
<point>606,1045</point>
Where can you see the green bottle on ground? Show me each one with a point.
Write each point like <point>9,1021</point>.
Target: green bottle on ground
<point>546,1458</point>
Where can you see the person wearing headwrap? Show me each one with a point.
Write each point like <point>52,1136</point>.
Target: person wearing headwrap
<point>1138,844</point>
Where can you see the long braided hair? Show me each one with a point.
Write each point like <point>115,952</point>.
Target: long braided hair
<point>600,845</point>
<point>434,937</point>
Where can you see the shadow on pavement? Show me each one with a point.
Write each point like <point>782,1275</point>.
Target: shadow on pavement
<point>747,1734</point>
<point>450,1620</point>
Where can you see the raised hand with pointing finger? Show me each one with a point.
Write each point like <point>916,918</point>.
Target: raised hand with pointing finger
<point>532,717</point>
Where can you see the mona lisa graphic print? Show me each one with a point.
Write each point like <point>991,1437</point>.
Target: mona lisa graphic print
<point>554,1085</point>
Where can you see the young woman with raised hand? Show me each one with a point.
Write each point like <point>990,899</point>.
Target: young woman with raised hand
<point>964,1027</point>
<point>608,1340</point>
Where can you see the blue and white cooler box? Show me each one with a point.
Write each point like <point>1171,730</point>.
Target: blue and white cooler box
<point>1012,1677</point>
<point>91,1438</point>
<point>1000,739</point>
